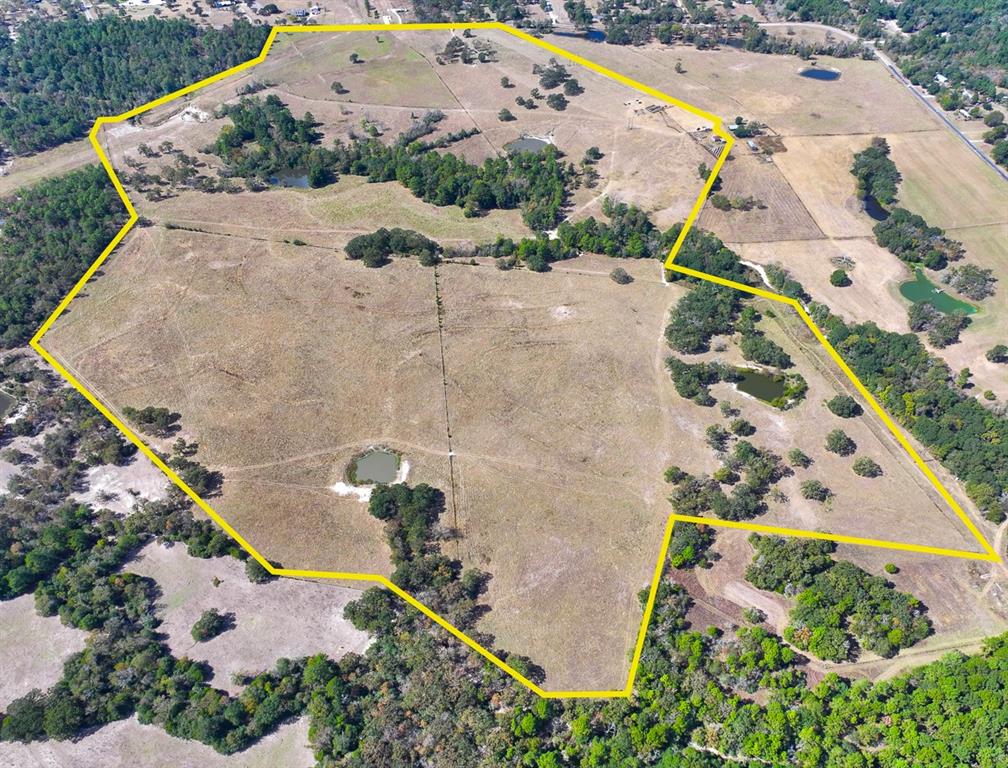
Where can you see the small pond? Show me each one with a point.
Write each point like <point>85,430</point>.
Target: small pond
<point>594,35</point>
<point>6,403</point>
<point>873,208</point>
<point>527,144</point>
<point>297,179</point>
<point>761,385</point>
<point>376,465</point>
<point>814,73</point>
<point>920,289</point>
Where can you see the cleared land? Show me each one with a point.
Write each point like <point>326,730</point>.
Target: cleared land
<point>721,593</point>
<point>820,126</point>
<point>127,743</point>
<point>263,614</point>
<point>32,649</point>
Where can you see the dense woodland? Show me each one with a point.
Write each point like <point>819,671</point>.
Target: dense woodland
<point>51,234</point>
<point>56,77</point>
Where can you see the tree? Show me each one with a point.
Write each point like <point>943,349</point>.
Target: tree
<point>593,155</point>
<point>742,428</point>
<point>505,116</point>
<point>837,441</point>
<point>844,406</point>
<point>620,276</point>
<point>798,458</point>
<point>210,624</point>
<point>256,573</point>
<point>814,490</point>
<point>355,58</point>
<point>556,101</point>
<point>506,83</point>
<point>993,118</point>
<point>963,377</point>
<point>997,354</point>
<point>839,278</point>
<point>337,87</point>
<point>866,467</point>
<point>572,87</point>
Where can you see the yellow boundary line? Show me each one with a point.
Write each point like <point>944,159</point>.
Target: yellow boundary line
<point>989,554</point>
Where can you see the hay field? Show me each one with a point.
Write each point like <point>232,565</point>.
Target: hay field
<point>561,419</point>
<point>263,613</point>
<point>650,157</point>
<point>810,192</point>
<point>560,413</point>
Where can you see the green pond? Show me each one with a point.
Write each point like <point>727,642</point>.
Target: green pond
<point>920,289</point>
<point>764,386</point>
<point>6,403</point>
<point>377,465</point>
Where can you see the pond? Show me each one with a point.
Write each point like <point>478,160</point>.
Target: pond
<point>527,144</point>
<point>594,35</point>
<point>6,403</point>
<point>376,465</point>
<point>814,73</point>
<point>761,385</point>
<point>873,208</point>
<point>920,289</point>
<point>297,179</point>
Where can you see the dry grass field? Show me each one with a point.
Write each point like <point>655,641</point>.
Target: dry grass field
<point>127,744</point>
<point>539,403</point>
<point>263,613</point>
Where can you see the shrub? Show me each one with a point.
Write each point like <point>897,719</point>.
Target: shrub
<point>798,458</point>
<point>814,490</point>
<point>865,467</point>
<point>211,624</point>
<point>620,276</point>
<point>891,568</point>
<point>844,406</point>
<point>840,443</point>
<point>839,278</point>
<point>997,354</point>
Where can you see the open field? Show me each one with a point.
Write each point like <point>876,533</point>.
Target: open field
<point>900,505</point>
<point>25,171</point>
<point>821,126</point>
<point>32,649</point>
<point>399,80</point>
<point>127,743</point>
<point>281,416</point>
<point>537,402</point>
<point>263,613</point>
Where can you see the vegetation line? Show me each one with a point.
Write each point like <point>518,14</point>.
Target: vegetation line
<point>439,309</point>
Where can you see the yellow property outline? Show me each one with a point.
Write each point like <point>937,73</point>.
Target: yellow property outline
<point>988,555</point>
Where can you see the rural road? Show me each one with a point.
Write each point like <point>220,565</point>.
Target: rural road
<point>898,74</point>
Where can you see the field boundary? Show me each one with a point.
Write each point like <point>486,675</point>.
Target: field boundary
<point>718,129</point>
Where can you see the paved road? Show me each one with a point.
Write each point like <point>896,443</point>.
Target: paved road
<point>900,77</point>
